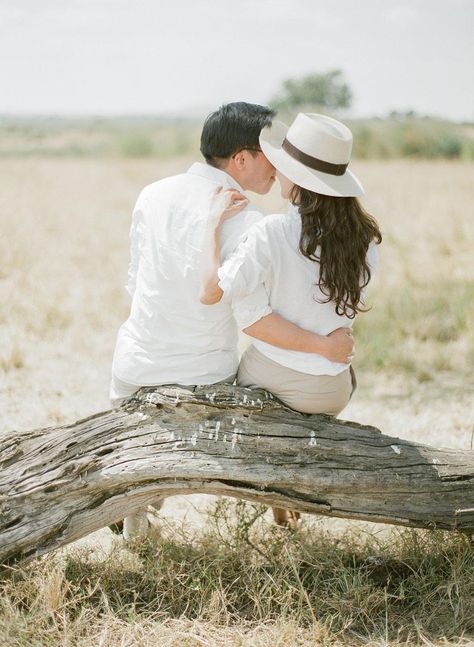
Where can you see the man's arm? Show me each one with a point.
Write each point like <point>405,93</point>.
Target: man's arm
<point>274,329</point>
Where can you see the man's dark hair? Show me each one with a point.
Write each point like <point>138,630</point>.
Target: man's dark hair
<point>232,128</point>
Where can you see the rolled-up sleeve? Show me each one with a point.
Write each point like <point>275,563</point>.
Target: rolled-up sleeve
<point>248,267</point>
<point>251,308</point>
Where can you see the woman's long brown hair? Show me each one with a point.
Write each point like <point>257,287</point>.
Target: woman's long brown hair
<point>336,232</point>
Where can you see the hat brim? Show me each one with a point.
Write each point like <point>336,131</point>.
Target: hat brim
<point>271,140</point>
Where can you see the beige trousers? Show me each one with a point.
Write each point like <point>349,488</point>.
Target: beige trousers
<point>301,391</point>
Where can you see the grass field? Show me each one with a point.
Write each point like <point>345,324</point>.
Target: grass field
<point>64,249</point>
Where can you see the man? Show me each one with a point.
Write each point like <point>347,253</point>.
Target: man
<point>170,337</point>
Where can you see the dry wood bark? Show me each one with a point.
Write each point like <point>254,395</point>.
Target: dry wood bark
<point>59,484</point>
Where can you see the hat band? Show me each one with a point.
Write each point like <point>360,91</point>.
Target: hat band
<point>313,162</point>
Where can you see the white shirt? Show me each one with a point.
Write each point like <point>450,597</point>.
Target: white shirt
<point>270,256</point>
<point>170,337</point>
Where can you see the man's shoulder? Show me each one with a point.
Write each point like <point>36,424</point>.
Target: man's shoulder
<point>163,185</point>
<point>175,187</point>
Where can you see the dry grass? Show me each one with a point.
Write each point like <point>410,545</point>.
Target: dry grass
<point>64,262</point>
<point>239,580</point>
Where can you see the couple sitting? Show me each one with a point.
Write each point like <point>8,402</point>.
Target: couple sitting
<point>204,263</point>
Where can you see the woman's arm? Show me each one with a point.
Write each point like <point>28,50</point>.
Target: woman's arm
<point>233,202</point>
<point>273,329</point>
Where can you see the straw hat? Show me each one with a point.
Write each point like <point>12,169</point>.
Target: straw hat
<point>314,153</point>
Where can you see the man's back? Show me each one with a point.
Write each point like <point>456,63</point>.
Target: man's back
<point>170,337</point>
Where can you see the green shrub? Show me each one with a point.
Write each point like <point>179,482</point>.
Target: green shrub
<point>136,145</point>
<point>449,145</point>
<point>418,138</point>
<point>395,137</point>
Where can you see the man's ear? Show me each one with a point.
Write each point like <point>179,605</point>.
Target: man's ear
<point>239,160</point>
<point>237,167</point>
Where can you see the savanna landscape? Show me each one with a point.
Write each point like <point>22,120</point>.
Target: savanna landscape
<point>217,572</point>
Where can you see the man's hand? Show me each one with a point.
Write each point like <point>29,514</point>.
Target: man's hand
<point>339,346</point>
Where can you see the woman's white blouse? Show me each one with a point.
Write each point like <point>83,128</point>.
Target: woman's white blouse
<point>270,255</point>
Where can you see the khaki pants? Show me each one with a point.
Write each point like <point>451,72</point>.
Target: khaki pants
<point>301,391</point>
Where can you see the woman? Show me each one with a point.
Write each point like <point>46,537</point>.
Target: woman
<point>315,262</point>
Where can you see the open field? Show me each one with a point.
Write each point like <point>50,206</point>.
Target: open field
<point>64,248</point>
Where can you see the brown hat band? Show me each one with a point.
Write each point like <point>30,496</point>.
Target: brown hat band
<point>313,162</point>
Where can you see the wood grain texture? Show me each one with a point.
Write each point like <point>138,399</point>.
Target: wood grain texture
<point>59,484</point>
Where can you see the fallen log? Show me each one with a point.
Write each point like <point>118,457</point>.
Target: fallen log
<point>62,483</point>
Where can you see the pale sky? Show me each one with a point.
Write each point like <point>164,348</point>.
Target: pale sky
<point>179,56</point>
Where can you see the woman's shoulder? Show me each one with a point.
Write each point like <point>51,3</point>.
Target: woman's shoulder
<point>277,224</point>
<point>265,226</point>
<point>274,230</point>
<point>275,220</point>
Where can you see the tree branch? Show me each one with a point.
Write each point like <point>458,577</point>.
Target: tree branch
<point>62,483</point>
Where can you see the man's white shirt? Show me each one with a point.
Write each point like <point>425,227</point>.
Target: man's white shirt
<point>170,337</point>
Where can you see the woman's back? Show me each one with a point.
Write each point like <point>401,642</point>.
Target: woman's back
<point>271,254</point>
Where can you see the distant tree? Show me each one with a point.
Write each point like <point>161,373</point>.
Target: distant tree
<point>327,90</point>
<point>401,115</point>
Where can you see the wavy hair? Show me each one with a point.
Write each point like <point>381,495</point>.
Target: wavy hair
<point>336,233</point>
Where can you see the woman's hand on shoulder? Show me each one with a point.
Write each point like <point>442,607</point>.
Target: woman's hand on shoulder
<point>227,204</point>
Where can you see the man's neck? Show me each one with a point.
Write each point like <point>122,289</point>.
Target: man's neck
<point>236,179</point>
<point>228,172</point>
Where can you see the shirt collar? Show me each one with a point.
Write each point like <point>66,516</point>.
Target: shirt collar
<point>293,210</point>
<point>215,175</point>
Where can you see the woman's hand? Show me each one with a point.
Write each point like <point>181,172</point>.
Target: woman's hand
<point>227,204</point>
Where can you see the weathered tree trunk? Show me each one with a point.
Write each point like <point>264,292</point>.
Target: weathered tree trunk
<point>59,484</point>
